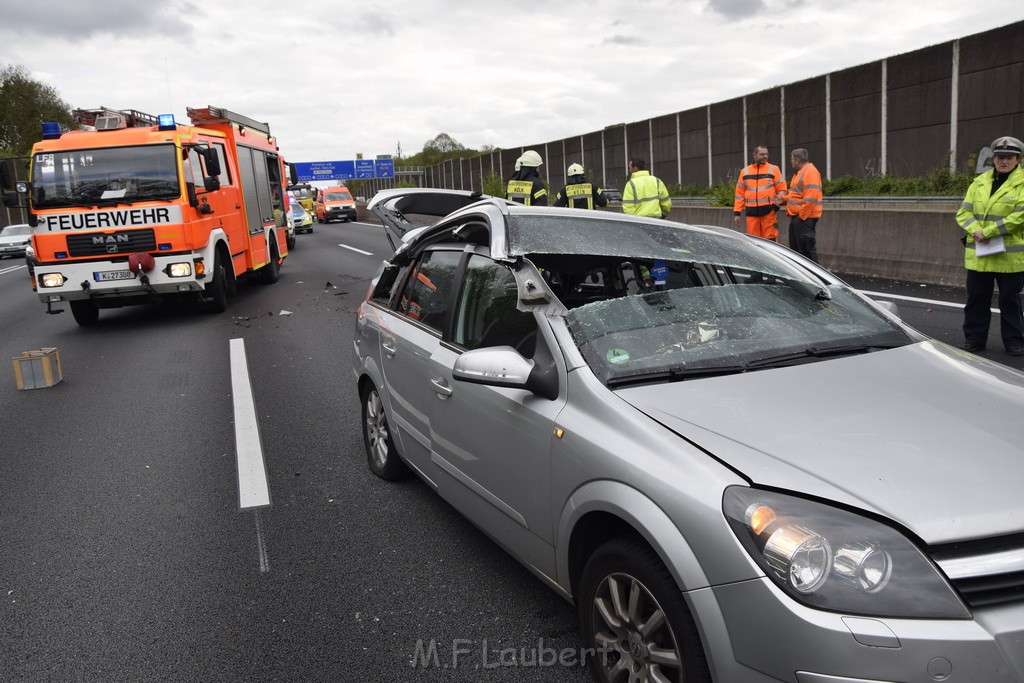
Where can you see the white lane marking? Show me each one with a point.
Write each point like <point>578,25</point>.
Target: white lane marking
<point>915,299</point>
<point>345,246</point>
<point>253,489</point>
<point>11,269</point>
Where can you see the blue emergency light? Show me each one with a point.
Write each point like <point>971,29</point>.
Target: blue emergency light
<point>51,130</point>
<point>166,121</point>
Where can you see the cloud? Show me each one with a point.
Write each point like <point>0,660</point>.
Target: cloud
<point>631,41</point>
<point>80,21</point>
<point>736,9</point>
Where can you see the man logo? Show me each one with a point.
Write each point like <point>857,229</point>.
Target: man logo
<point>110,239</point>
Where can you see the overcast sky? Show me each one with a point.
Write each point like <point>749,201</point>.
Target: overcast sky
<point>333,79</point>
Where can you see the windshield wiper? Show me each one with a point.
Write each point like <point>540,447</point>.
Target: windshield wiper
<point>817,353</point>
<point>676,374</point>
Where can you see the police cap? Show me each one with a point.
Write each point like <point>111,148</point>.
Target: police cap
<point>1007,146</point>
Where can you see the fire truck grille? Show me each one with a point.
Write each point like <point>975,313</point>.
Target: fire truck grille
<point>103,244</point>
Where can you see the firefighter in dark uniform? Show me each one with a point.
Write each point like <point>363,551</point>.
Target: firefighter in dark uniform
<point>580,193</point>
<point>526,185</point>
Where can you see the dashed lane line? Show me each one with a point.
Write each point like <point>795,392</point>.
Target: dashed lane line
<point>345,246</point>
<point>253,489</point>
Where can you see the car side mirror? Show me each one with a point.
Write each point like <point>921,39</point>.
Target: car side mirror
<point>503,366</point>
<point>888,306</point>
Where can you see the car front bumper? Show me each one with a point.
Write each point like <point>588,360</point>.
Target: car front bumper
<point>12,251</point>
<point>753,630</point>
<point>342,212</point>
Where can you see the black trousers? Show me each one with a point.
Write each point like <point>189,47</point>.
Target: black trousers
<point>977,315</point>
<point>802,237</point>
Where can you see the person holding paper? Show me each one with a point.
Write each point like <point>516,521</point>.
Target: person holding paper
<point>992,217</point>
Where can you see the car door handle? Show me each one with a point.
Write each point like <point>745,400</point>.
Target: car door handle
<point>441,387</point>
<point>389,348</point>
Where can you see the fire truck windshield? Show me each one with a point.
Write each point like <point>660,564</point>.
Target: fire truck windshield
<point>105,176</point>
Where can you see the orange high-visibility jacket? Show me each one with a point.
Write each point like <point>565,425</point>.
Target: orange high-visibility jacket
<point>757,186</point>
<point>804,197</point>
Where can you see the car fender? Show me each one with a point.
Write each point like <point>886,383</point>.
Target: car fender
<point>641,513</point>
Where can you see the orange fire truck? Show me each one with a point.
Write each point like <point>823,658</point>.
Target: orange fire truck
<point>142,209</point>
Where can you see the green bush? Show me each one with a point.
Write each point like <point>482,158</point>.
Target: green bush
<point>494,185</point>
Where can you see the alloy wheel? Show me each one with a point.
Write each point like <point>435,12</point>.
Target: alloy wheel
<point>377,429</point>
<point>633,636</point>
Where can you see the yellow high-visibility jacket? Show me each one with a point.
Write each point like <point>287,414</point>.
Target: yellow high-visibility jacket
<point>999,214</point>
<point>645,195</point>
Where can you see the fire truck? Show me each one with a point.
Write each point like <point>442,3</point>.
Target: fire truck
<point>141,209</point>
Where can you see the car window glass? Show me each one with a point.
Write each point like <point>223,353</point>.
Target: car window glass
<point>427,289</point>
<point>385,284</point>
<point>486,310</point>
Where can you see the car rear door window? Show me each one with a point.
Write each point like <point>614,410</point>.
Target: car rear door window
<point>428,288</point>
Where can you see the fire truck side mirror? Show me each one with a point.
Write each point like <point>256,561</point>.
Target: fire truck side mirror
<point>212,161</point>
<point>12,200</point>
<point>211,183</point>
<point>5,175</point>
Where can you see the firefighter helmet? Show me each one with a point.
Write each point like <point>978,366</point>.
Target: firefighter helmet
<point>519,163</point>
<point>575,169</point>
<point>1007,145</point>
<point>530,158</point>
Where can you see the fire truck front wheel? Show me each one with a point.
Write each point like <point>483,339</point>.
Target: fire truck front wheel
<point>217,290</point>
<point>270,273</point>
<point>85,311</point>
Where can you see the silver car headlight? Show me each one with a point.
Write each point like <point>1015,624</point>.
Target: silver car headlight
<point>832,559</point>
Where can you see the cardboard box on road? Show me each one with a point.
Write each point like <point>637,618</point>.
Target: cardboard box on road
<point>37,369</point>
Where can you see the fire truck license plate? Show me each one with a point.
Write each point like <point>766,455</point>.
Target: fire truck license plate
<point>114,275</point>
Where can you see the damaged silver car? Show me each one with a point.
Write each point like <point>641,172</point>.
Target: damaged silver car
<point>737,467</point>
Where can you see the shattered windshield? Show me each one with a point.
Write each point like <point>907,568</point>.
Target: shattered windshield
<point>105,177</point>
<point>652,302</point>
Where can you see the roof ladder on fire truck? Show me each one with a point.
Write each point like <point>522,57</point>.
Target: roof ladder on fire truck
<point>110,119</point>
<point>210,114</point>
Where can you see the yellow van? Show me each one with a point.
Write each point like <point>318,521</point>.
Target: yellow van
<point>335,202</point>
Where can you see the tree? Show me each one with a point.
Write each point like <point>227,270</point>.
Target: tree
<point>441,148</point>
<point>24,104</point>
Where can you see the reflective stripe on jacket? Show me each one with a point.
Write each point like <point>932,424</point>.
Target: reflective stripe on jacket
<point>645,195</point>
<point>580,196</point>
<point>756,188</point>
<point>529,192</point>
<point>804,196</point>
<point>999,214</point>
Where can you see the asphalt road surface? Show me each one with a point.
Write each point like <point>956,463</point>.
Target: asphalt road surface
<point>125,556</point>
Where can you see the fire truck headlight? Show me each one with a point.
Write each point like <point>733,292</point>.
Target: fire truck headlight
<point>183,269</point>
<point>51,280</point>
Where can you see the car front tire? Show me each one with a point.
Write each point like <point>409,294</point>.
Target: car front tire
<point>381,455</point>
<point>634,618</point>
